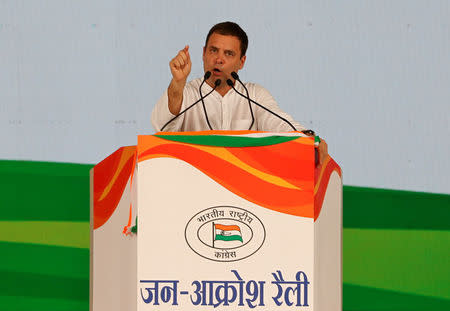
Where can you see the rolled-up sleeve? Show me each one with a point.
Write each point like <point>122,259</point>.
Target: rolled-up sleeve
<point>161,115</point>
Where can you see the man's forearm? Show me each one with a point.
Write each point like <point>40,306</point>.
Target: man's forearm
<point>175,96</point>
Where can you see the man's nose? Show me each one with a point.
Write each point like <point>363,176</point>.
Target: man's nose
<point>219,59</point>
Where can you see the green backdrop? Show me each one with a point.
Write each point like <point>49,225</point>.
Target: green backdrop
<point>396,243</point>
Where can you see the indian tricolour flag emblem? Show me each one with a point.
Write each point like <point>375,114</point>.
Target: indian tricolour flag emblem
<point>226,233</point>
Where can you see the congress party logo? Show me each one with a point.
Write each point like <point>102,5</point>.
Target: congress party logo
<point>225,233</point>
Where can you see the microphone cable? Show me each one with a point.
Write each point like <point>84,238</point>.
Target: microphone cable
<point>207,75</point>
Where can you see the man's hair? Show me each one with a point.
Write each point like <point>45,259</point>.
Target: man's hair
<point>230,29</point>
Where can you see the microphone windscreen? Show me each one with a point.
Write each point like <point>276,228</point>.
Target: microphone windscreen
<point>207,75</point>
<point>217,82</point>
<point>229,82</point>
<point>235,75</point>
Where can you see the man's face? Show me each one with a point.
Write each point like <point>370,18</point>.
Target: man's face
<point>221,56</point>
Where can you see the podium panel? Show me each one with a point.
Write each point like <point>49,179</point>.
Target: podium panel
<point>113,254</point>
<point>226,221</point>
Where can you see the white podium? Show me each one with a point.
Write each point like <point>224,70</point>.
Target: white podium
<point>225,221</point>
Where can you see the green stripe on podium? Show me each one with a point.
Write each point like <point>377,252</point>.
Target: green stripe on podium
<point>228,141</point>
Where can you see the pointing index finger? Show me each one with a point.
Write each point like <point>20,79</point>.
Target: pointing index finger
<point>186,50</point>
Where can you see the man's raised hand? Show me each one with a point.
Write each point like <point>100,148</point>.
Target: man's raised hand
<point>180,66</point>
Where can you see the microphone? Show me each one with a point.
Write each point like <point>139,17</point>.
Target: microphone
<point>236,77</point>
<point>206,76</point>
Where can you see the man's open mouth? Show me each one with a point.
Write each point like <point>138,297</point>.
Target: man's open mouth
<point>216,69</point>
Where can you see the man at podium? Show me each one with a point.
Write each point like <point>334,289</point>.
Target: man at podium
<point>258,191</point>
<point>219,100</point>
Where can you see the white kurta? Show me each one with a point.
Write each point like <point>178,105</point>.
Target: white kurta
<point>230,112</point>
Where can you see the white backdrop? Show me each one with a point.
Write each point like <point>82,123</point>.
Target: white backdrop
<point>78,79</point>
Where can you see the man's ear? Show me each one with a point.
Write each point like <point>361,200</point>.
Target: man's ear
<point>243,58</point>
<point>204,53</point>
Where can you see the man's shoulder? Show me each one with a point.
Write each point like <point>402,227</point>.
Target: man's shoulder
<point>255,86</point>
<point>256,89</point>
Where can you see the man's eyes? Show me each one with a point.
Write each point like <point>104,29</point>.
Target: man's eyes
<point>227,53</point>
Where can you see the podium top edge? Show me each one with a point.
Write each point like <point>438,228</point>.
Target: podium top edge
<point>249,139</point>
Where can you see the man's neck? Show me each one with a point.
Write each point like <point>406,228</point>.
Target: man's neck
<point>222,89</point>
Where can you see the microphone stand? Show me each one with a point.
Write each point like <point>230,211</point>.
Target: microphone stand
<point>203,102</point>
<point>236,77</point>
